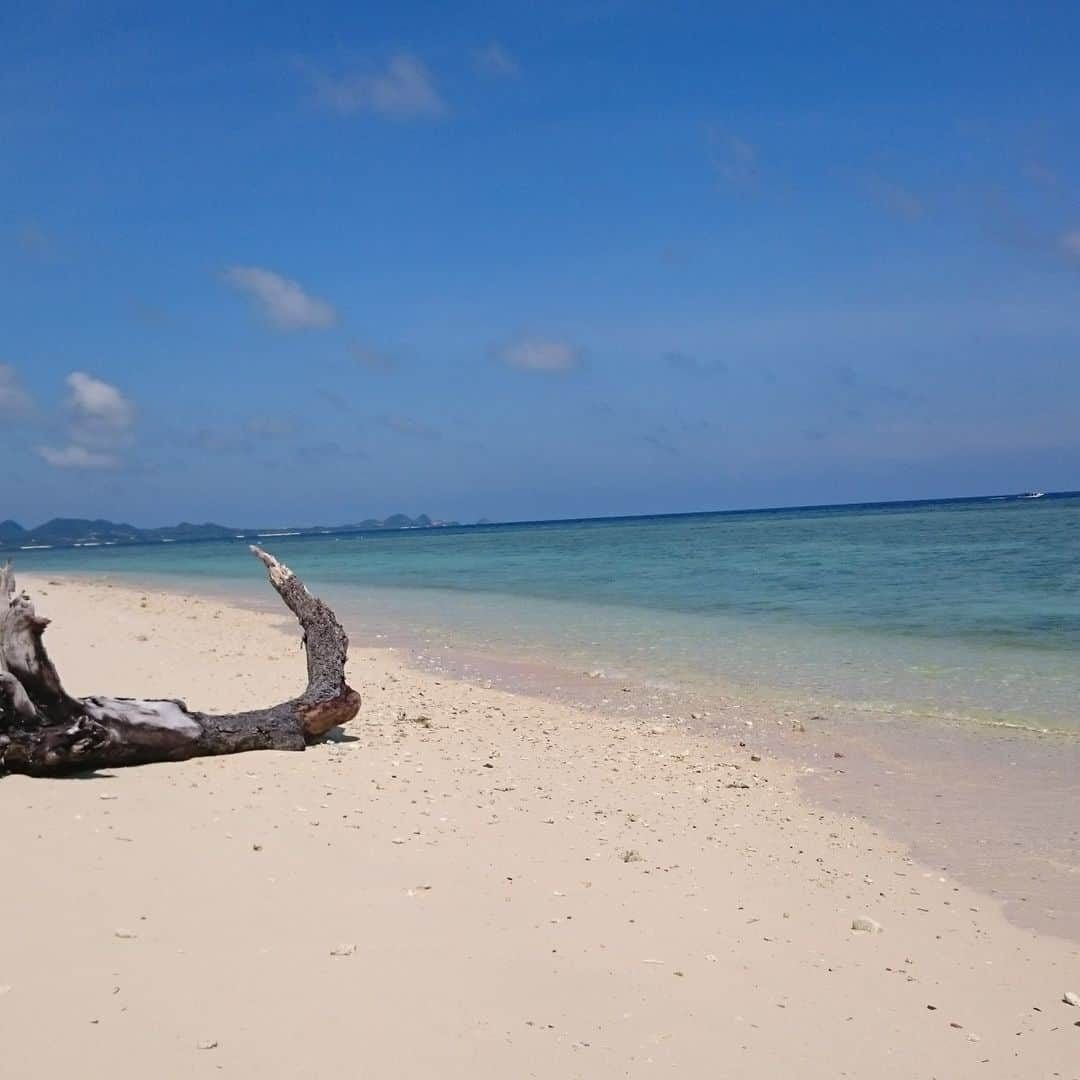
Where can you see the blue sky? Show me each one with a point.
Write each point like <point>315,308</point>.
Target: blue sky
<point>268,263</point>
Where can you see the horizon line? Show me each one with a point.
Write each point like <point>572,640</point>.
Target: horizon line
<point>484,523</point>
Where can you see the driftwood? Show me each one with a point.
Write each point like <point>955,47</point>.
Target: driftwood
<point>46,732</point>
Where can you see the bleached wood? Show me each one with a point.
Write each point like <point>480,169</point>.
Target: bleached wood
<point>44,731</point>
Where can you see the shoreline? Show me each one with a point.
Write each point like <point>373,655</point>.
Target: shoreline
<point>548,890</point>
<point>993,805</point>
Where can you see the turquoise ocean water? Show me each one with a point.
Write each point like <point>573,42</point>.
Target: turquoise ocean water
<point>961,611</point>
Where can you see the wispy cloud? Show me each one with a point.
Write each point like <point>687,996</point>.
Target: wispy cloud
<point>14,400</point>
<point>495,59</point>
<point>371,359</point>
<point>695,365</point>
<point>325,451</point>
<point>100,423</point>
<point>676,255</point>
<point>272,427</point>
<point>282,302</point>
<point>231,439</point>
<point>36,244</point>
<point>540,355</point>
<point>222,441</point>
<point>1009,221</point>
<point>1069,245</point>
<point>407,425</point>
<point>74,456</point>
<point>404,88</point>
<point>150,315</point>
<point>895,199</point>
<point>733,158</point>
<point>334,399</point>
<point>1044,175</point>
<point>658,442</point>
<point>858,397</point>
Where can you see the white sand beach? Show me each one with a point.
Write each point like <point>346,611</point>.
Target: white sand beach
<point>469,883</point>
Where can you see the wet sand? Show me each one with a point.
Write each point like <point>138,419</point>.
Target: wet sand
<point>992,805</point>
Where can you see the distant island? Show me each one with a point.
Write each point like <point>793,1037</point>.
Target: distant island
<point>82,532</point>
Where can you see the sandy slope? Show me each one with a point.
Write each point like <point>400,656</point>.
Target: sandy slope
<point>476,871</point>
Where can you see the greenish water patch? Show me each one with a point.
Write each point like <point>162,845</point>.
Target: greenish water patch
<point>964,611</point>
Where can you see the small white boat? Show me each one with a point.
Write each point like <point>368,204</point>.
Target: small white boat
<point>1032,494</point>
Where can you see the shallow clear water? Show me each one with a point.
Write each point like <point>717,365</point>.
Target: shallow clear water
<point>963,610</point>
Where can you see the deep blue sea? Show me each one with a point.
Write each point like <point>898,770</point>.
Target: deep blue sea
<point>964,611</point>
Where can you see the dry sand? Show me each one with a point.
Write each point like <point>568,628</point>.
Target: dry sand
<point>507,888</point>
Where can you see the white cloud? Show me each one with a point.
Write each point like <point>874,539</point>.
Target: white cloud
<point>1070,244</point>
<point>540,355</point>
<point>101,412</point>
<point>101,420</point>
<point>14,400</point>
<point>403,88</point>
<point>74,456</point>
<point>495,59</point>
<point>282,302</point>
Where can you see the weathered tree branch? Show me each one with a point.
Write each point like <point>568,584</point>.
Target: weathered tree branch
<point>44,731</point>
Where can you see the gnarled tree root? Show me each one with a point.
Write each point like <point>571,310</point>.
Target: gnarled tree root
<point>46,732</point>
